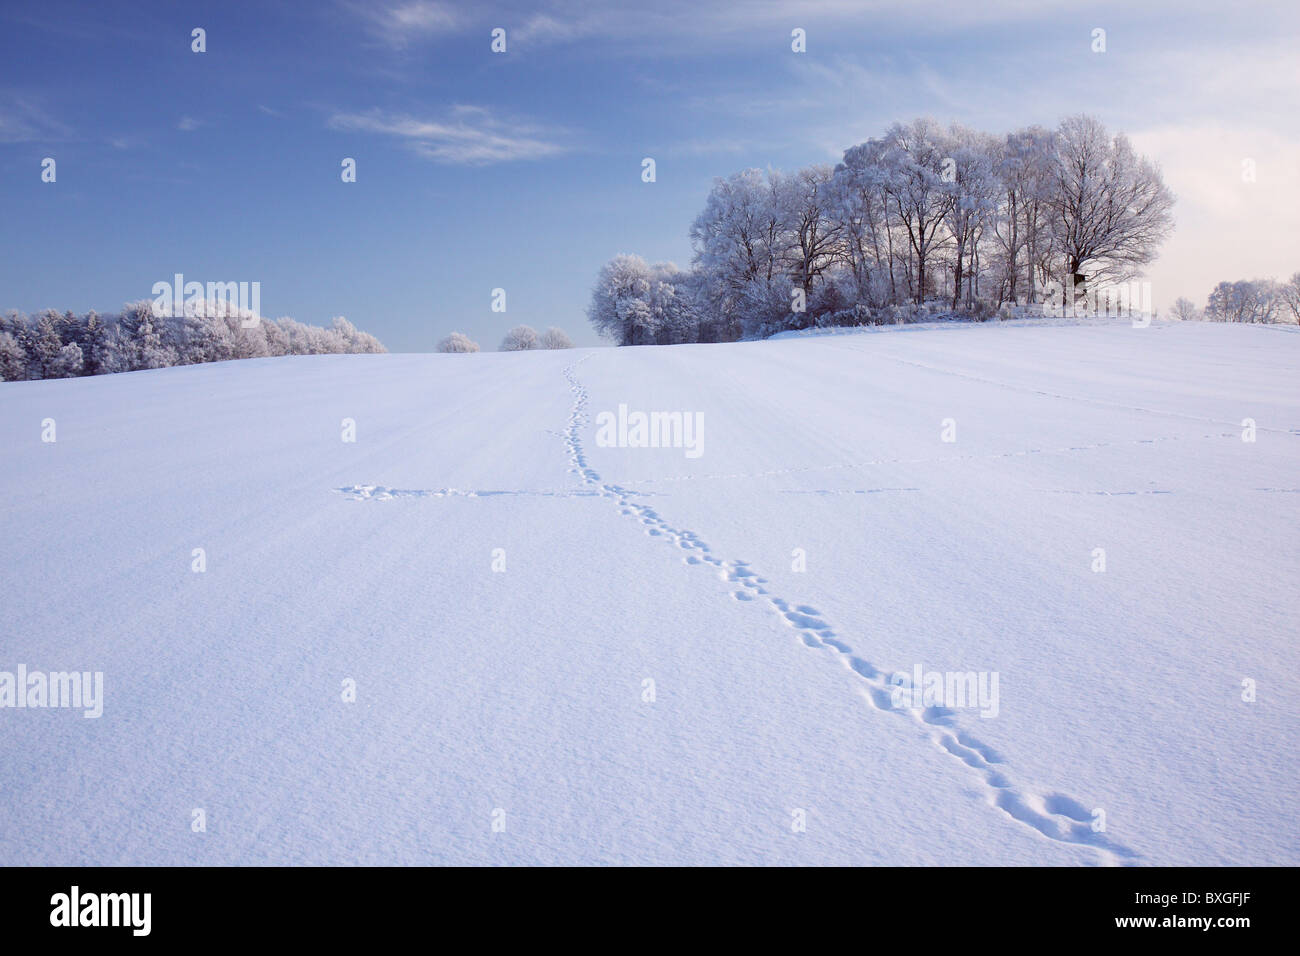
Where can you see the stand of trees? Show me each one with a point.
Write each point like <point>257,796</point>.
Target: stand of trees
<point>1255,300</point>
<point>52,344</point>
<point>1246,300</point>
<point>923,219</point>
<point>524,338</point>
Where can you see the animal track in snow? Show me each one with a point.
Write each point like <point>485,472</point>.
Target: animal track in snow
<point>1054,816</point>
<point>382,493</point>
<point>850,491</point>
<point>1108,494</point>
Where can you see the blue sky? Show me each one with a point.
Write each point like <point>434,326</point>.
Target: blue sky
<point>522,170</point>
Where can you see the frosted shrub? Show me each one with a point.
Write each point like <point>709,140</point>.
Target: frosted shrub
<point>555,338</point>
<point>521,338</point>
<point>457,342</point>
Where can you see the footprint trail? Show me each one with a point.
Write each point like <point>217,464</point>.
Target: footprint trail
<point>1055,816</point>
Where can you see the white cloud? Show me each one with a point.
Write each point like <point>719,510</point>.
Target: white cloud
<point>470,135</point>
<point>544,28</point>
<point>22,121</point>
<point>398,23</point>
<point>187,124</point>
<point>763,20</point>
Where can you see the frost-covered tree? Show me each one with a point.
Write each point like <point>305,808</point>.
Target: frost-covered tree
<point>1110,209</point>
<point>743,244</point>
<point>1184,310</point>
<point>142,329</point>
<point>116,352</point>
<point>737,236</point>
<point>620,307</point>
<point>13,359</point>
<point>760,237</point>
<point>277,339</point>
<point>94,332</point>
<point>554,338</point>
<point>811,231</point>
<point>522,338</point>
<point>974,191</point>
<point>675,309</point>
<point>635,303</point>
<point>457,342</point>
<point>1247,300</point>
<point>205,337</point>
<point>1289,293</point>
<point>914,165</point>
<point>863,211</point>
<point>15,323</point>
<point>42,344</point>
<point>72,329</point>
<point>355,342</point>
<point>1022,232</point>
<point>305,339</point>
<point>67,364</point>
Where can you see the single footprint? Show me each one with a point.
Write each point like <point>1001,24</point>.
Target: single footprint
<point>1065,806</point>
<point>939,716</point>
<point>968,757</point>
<point>985,751</point>
<point>863,669</point>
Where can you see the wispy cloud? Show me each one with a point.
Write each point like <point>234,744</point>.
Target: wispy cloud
<point>23,120</point>
<point>187,124</point>
<point>399,23</point>
<point>541,28</point>
<point>710,21</point>
<point>470,135</point>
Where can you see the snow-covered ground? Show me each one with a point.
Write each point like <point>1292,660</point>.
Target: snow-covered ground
<point>505,716</point>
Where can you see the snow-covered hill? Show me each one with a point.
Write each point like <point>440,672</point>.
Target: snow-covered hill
<point>569,653</point>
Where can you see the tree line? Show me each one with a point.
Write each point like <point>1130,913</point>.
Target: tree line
<point>53,344</point>
<point>1247,300</point>
<point>924,219</point>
